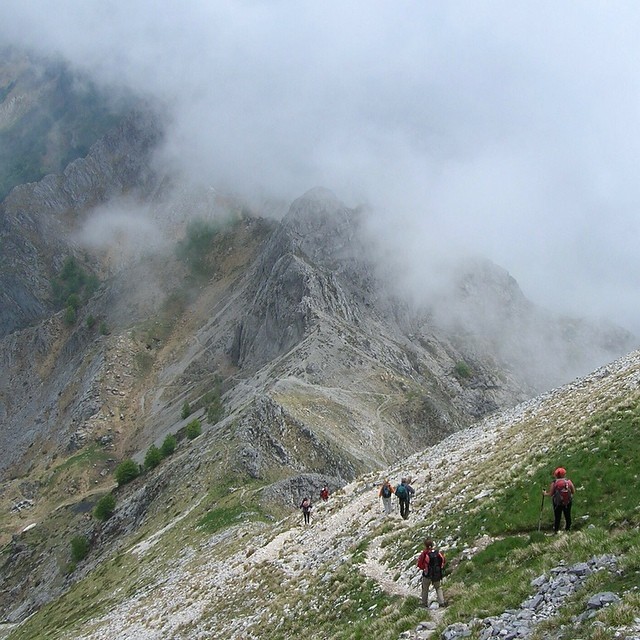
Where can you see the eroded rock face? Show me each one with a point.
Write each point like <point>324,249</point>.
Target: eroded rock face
<point>37,220</point>
<point>309,268</point>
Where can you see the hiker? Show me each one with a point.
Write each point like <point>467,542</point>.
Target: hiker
<point>432,562</point>
<point>305,505</point>
<point>561,489</point>
<point>404,491</point>
<point>324,493</point>
<point>386,491</point>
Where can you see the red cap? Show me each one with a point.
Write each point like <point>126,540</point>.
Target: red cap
<point>560,472</point>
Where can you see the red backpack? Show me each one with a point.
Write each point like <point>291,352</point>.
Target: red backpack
<point>562,495</point>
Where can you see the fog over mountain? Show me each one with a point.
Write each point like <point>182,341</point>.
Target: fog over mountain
<point>500,129</point>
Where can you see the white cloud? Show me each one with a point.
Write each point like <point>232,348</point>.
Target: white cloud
<point>510,129</point>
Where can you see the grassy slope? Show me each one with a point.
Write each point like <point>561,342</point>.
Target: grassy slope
<point>482,493</point>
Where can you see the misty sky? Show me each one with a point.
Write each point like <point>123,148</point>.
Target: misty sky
<point>508,128</point>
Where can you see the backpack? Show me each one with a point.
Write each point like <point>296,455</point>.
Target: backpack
<point>562,493</point>
<point>386,491</point>
<point>435,570</point>
<point>401,492</point>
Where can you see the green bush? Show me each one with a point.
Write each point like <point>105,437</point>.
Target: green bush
<point>194,429</point>
<point>79,548</point>
<point>70,316</point>
<point>90,286</point>
<point>153,457</point>
<point>195,248</point>
<point>73,301</point>
<point>103,329</point>
<point>126,471</point>
<point>215,411</point>
<point>91,321</point>
<point>186,410</point>
<point>168,446</point>
<point>105,507</point>
<point>73,285</point>
<point>462,370</point>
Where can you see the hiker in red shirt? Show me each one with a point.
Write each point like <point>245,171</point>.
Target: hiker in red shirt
<point>562,490</point>
<point>432,562</point>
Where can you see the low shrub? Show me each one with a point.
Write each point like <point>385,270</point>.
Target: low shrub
<point>153,457</point>
<point>79,548</point>
<point>168,446</point>
<point>126,471</point>
<point>105,507</point>
<point>194,429</point>
<point>462,370</point>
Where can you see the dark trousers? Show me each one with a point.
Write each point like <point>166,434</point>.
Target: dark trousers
<point>404,508</point>
<point>558,511</point>
<point>307,516</point>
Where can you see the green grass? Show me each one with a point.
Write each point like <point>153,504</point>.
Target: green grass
<point>603,462</point>
<point>337,602</point>
<point>348,606</point>
<point>604,465</point>
<point>83,461</point>
<point>223,517</point>
<point>233,501</point>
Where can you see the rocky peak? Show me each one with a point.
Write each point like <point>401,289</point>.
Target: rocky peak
<point>480,279</point>
<point>321,227</point>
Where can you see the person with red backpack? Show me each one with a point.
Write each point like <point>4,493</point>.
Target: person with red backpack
<point>561,490</point>
<point>432,562</point>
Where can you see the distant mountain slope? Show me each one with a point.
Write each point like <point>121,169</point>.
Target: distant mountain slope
<point>48,117</point>
<point>291,314</point>
<point>38,220</point>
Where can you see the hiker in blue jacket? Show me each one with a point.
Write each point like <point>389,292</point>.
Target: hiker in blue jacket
<point>404,491</point>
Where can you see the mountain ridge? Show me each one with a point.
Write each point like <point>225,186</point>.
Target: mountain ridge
<point>287,342</point>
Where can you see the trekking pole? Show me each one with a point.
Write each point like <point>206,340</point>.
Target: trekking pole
<point>540,518</point>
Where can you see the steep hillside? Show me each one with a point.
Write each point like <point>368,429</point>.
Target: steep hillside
<point>215,566</point>
<point>49,117</point>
